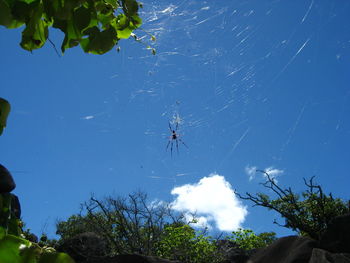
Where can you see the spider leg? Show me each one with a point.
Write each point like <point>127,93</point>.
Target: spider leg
<point>177,146</point>
<point>171,148</point>
<point>167,146</point>
<point>170,127</point>
<point>177,125</point>
<point>183,142</point>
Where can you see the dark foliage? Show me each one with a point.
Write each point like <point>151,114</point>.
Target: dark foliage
<point>309,213</point>
<point>130,225</point>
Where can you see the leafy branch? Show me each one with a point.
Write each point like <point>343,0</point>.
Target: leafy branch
<point>309,213</point>
<point>96,25</point>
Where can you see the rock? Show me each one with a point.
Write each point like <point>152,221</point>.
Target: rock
<point>32,238</point>
<point>290,249</point>
<point>7,184</point>
<point>322,256</point>
<point>130,258</point>
<point>134,258</point>
<point>337,236</point>
<point>15,206</point>
<point>85,247</point>
<point>231,253</point>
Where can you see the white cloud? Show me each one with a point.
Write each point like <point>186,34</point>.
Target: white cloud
<point>271,171</point>
<point>211,200</point>
<point>88,117</point>
<point>201,221</point>
<point>251,171</point>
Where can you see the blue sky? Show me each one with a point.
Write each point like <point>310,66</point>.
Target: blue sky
<point>260,84</point>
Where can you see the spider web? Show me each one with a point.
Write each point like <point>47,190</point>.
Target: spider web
<point>240,79</point>
<point>250,85</point>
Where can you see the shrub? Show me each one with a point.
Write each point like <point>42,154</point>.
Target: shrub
<point>129,225</point>
<point>181,242</point>
<point>247,239</point>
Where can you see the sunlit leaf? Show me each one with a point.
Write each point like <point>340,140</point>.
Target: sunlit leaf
<point>10,248</point>
<point>125,25</point>
<point>124,34</point>
<point>14,249</point>
<point>34,35</point>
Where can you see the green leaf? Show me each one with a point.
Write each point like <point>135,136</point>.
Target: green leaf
<point>29,254</point>
<point>22,11</point>
<point>9,248</point>
<point>130,7</point>
<point>2,232</point>
<point>99,42</point>
<point>60,9</point>
<point>75,18</point>
<point>124,34</point>
<point>105,19</point>
<point>72,36</point>
<point>34,35</point>
<point>125,25</point>
<point>113,3</point>
<point>14,249</point>
<point>55,258</point>
<point>6,18</point>
<point>81,18</point>
<point>36,32</point>
<point>28,1</point>
<point>4,112</point>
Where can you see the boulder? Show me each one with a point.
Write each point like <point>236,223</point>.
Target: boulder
<point>135,258</point>
<point>290,249</point>
<point>85,247</point>
<point>337,236</point>
<point>323,256</point>
<point>15,206</point>
<point>7,184</point>
<point>231,253</point>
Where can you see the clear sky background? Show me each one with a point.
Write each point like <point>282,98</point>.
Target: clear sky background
<point>253,85</point>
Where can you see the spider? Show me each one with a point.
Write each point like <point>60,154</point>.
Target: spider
<point>174,137</point>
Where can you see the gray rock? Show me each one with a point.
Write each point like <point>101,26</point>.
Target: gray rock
<point>85,247</point>
<point>337,236</point>
<point>231,253</point>
<point>129,258</point>
<point>7,184</point>
<point>134,258</point>
<point>290,249</point>
<point>15,206</point>
<point>322,256</point>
